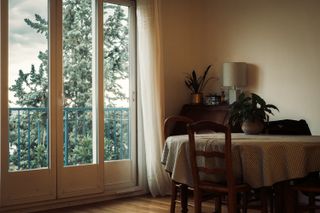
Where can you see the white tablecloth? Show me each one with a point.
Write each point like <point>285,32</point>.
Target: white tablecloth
<point>259,160</point>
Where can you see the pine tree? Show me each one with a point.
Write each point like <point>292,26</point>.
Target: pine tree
<point>31,87</point>
<point>116,55</point>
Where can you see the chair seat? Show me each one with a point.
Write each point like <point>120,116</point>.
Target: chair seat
<point>308,186</point>
<point>222,188</point>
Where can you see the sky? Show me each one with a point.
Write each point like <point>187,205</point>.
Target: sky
<point>24,42</point>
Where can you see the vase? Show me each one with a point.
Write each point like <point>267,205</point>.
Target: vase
<point>196,98</point>
<point>252,127</point>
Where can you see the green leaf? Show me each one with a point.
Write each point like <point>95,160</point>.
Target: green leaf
<point>197,84</point>
<point>251,107</point>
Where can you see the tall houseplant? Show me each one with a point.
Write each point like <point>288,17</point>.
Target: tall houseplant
<point>250,112</point>
<point>196,84</point>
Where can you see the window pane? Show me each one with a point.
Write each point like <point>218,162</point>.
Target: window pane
<point>77,76</point>
<point>116,82</point>
<point>28,84</point>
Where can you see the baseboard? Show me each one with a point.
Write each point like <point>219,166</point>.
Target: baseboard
<point>74,201</point>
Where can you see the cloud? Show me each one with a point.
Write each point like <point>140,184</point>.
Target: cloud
<point>19,10</point>
<point>24,42</point>
<point>28,7</point>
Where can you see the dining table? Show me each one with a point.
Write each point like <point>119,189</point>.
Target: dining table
<point>258,160</point>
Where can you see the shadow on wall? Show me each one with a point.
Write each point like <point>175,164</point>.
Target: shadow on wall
<point>253,76</point>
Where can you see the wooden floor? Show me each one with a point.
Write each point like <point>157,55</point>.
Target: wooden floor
<point>141,204</point>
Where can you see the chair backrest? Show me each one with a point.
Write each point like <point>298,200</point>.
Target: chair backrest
<point>225,155</point>
<point>288,127</point>
<point>173,121</point>
<point>218,114</point>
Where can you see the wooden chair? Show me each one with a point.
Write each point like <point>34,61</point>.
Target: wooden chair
<point>228,187</point>
<point>310,187</point>
<point>176,125</point>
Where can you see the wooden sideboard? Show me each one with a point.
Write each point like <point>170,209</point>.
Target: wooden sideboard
<point>215,113</point>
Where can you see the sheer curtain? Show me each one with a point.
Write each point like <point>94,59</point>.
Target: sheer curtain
<point>151,90</point>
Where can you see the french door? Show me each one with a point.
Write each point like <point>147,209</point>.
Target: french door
<point>67,98</point>
<point>28,157</point>
<point>119,94</point>
<point>80,164</point>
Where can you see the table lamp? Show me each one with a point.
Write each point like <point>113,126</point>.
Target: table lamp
<point>234,76</point>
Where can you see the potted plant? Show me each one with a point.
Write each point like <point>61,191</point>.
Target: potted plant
<point>250,112</point>
<point>196,84</point>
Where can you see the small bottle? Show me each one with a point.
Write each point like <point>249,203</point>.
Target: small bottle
<point>223,97</point>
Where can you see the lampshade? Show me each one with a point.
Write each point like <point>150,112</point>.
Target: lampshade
<point>234,74</point>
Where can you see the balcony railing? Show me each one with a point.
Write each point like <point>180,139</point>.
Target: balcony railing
<point>28,136</point>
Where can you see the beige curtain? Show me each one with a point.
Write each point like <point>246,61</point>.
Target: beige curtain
<point>151,90</point>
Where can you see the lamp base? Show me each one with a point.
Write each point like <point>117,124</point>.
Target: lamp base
<point>233,95</point>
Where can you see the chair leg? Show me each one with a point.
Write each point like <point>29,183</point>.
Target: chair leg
<point>264,200</point>
<point>296,206</point>
<point>271,200</point>
<point>217,204</point>
<point>173,197</point>
<point>184,198</point>
<point>312,202</point>
<point>197,200</point>
<point>232,202</point>
<point>244,202</point>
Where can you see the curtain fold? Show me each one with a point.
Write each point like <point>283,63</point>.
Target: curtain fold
<point>151,91</point>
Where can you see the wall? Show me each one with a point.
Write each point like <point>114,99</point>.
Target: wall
<point>183,25</point>
<point>280,40</point>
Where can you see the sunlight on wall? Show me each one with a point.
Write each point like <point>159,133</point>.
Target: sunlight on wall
<point>279,40</point>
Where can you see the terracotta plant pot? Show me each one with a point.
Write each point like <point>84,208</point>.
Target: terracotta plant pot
<point>252,127</point>
<point>196,98</point>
